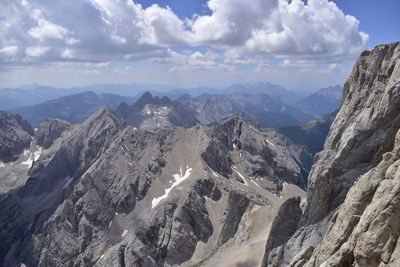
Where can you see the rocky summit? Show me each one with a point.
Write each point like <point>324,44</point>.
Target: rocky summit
<point>149,185</point>
<point>353,199</point>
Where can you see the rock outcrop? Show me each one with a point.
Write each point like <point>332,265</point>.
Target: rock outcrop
<point>15,135</point>
<point>351,217</point>
<point>49,131</point>
<point>154,113</point>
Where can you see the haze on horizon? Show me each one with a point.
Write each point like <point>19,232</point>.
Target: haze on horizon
<point>301,45</point>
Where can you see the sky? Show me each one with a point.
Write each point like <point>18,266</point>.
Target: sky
<point>301,45</point>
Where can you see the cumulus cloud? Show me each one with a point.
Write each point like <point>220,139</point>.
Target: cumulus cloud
<point>82,30</point>
<point>106,30</point>
<point>193,61</point>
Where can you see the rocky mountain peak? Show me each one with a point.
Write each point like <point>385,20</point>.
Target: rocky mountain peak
<point>154,113</point>
<point>49,131</point>
<point>362,131</point>
<point>15,135</point>
<point>147,98</point>
<point>353,197</point>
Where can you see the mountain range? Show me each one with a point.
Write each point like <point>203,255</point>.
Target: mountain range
<point>22,98</point>
<point>72,108</point>
<point>187,182</point>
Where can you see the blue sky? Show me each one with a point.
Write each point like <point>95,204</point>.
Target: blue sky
<point>301,45</point>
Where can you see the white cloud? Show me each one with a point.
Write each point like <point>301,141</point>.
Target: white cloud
<point>45,29</point>
<point>107,30</point>
<point>24,3</point>
<point>9,50</point>
<point>317,30</point>
<point>193,61</point>
<point>36,51</point>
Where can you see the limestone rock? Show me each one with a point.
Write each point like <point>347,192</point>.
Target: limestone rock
<point>15,135</point>
<point>353,198</point>
<point>50,130</point>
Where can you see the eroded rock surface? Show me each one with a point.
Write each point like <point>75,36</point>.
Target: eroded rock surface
<point>351,217</point>
<point>49,131</point>
<point>15,135</point>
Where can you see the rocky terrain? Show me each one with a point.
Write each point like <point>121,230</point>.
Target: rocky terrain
<point>148,185</point>
<point>109,194</point>
<point>153,113</point>
<point>352,212</point>
<point>15,135</point>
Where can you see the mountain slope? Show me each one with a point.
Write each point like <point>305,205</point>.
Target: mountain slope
<point>265,110</point>
<point>322,102</point>
<point>15,135</point>
<point>107,194</point>
<point>72,108</point>
<point>351,217</point>
<point>153,113</point>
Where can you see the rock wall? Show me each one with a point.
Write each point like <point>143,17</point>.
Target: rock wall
<point>351,217</point>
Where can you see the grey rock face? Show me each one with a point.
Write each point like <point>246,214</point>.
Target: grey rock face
<point>283,227</point>
<point>265,155</point>
<point>50,130</point>
<point>15,135</point>
<point>25,210</point>
<point>362,132</point>
<point>352,208</point>
<point>237,205</point>
<point>154,113</point>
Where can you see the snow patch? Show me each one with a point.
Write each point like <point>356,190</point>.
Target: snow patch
<point>124,233</point>
<point>179,178</point>
<point>234,146</point>
<point>27,162</point>
<point>37,153</point>
<point>68,182</point>
<point>2,165</point>
<point>269,143</point>
<point>215,174</point>
<point>241,176</point>
<point>102,255</point>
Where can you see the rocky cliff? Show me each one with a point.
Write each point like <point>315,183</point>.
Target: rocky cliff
<point>351,216</point>
<point>15,135</point>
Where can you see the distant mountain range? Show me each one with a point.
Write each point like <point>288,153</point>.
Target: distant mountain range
<point>261,102</point>
<point>311,136</point>
<point>73,108</point>
<point>273,90</point>
<point>322,102</point>
<point>267,111</point>
<point>317,104</point>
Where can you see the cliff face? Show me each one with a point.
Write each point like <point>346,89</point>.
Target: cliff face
<point>15,135</point>
<point>351,217</point>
